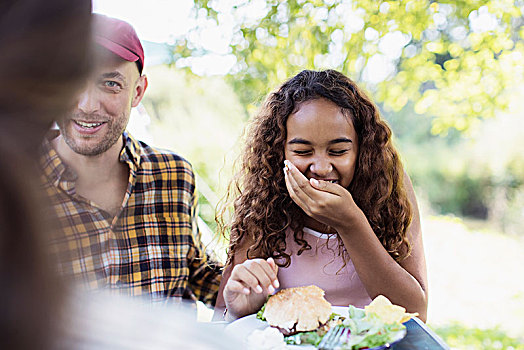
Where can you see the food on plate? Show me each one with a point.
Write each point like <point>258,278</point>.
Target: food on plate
<point>299,309</point>
<point>388,312</point>
<point>304,317</point>
<point>301,314</point>
<point>269,338</point>
<point>378,324</point>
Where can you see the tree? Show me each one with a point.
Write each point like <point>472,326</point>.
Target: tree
<point>454,60</point>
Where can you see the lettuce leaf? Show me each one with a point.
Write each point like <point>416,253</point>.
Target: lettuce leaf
<point>369,331</point>
<point>260,313</point>
<point>312,337</point>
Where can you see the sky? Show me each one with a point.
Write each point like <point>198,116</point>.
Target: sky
<point>154,20</point>
<point>162,21</point>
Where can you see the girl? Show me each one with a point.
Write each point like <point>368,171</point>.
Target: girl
<point>323,200</point>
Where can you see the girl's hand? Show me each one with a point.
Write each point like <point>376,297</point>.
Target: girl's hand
<point>327,202</point>
<point>249,286</point>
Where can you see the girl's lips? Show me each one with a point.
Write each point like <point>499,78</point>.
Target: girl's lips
<point>87,128</point>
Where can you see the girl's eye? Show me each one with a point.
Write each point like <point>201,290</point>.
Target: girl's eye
<point>299,152</point>
<point>338,152</point>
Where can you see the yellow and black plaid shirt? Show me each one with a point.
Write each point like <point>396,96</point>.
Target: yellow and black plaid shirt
<point>152,247</point>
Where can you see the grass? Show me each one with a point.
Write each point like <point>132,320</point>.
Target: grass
<point>476,289</point>
<point>458,336</point>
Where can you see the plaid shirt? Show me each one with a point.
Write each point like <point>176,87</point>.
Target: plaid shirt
<point>152,246</point>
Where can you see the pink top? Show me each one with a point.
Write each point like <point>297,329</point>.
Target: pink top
<point>321,266</point>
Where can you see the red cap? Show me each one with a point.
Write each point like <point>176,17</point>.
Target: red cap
<point>119,37</point>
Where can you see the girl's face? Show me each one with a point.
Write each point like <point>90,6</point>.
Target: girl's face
<point>321,142</point>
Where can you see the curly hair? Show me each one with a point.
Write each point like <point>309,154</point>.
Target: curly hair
<point>263,209</point>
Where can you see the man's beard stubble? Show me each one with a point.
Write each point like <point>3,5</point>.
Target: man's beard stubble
<point>115,128</point>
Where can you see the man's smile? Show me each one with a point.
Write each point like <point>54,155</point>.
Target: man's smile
<point>87,128</point>
<point>88,124</point>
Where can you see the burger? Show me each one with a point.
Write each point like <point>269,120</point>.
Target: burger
<point>300,309</point>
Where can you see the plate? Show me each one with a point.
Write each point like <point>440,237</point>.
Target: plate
<point>243,327</point>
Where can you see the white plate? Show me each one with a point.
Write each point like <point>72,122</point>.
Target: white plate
<point>243,327</point>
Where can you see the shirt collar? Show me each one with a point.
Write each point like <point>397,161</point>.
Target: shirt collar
<point>56,170</point>
<point>51,164</point>
<point>132,152</point>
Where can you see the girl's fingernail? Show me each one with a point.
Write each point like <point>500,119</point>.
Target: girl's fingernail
<point>314,181</point>
<point>276,284</point>
<point>258,289</point>
<point>270,289</point>
<point>246,291</point>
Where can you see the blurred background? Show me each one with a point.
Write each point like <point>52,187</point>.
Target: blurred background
<point>448,77</point>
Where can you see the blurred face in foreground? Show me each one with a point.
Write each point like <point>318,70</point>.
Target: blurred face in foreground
<point>104,106</point>
<point>322,142</point>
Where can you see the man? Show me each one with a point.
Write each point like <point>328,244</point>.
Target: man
<point>128,211</point>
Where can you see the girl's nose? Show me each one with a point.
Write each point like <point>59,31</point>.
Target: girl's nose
<point>321,167</point>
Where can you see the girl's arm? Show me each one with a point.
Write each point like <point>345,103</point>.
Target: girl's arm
<point>404,283</point>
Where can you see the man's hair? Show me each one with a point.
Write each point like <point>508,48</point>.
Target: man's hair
<point>263,209</point>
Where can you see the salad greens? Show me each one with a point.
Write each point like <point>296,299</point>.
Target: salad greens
<point>260,313</point>
<point>368,331</point>
<point>312,337</point>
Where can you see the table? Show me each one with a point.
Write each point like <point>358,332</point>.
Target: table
<point>419,337</point>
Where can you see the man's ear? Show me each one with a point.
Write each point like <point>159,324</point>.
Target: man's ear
<point>140,89</point>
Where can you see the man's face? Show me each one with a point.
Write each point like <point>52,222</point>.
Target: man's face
<point>103,108</point>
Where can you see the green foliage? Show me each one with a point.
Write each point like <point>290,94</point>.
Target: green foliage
<point>200,119</point>
<point>434,67</point>
<point>452,59</point>
<point>458,336</point>
<point>478,174</point>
